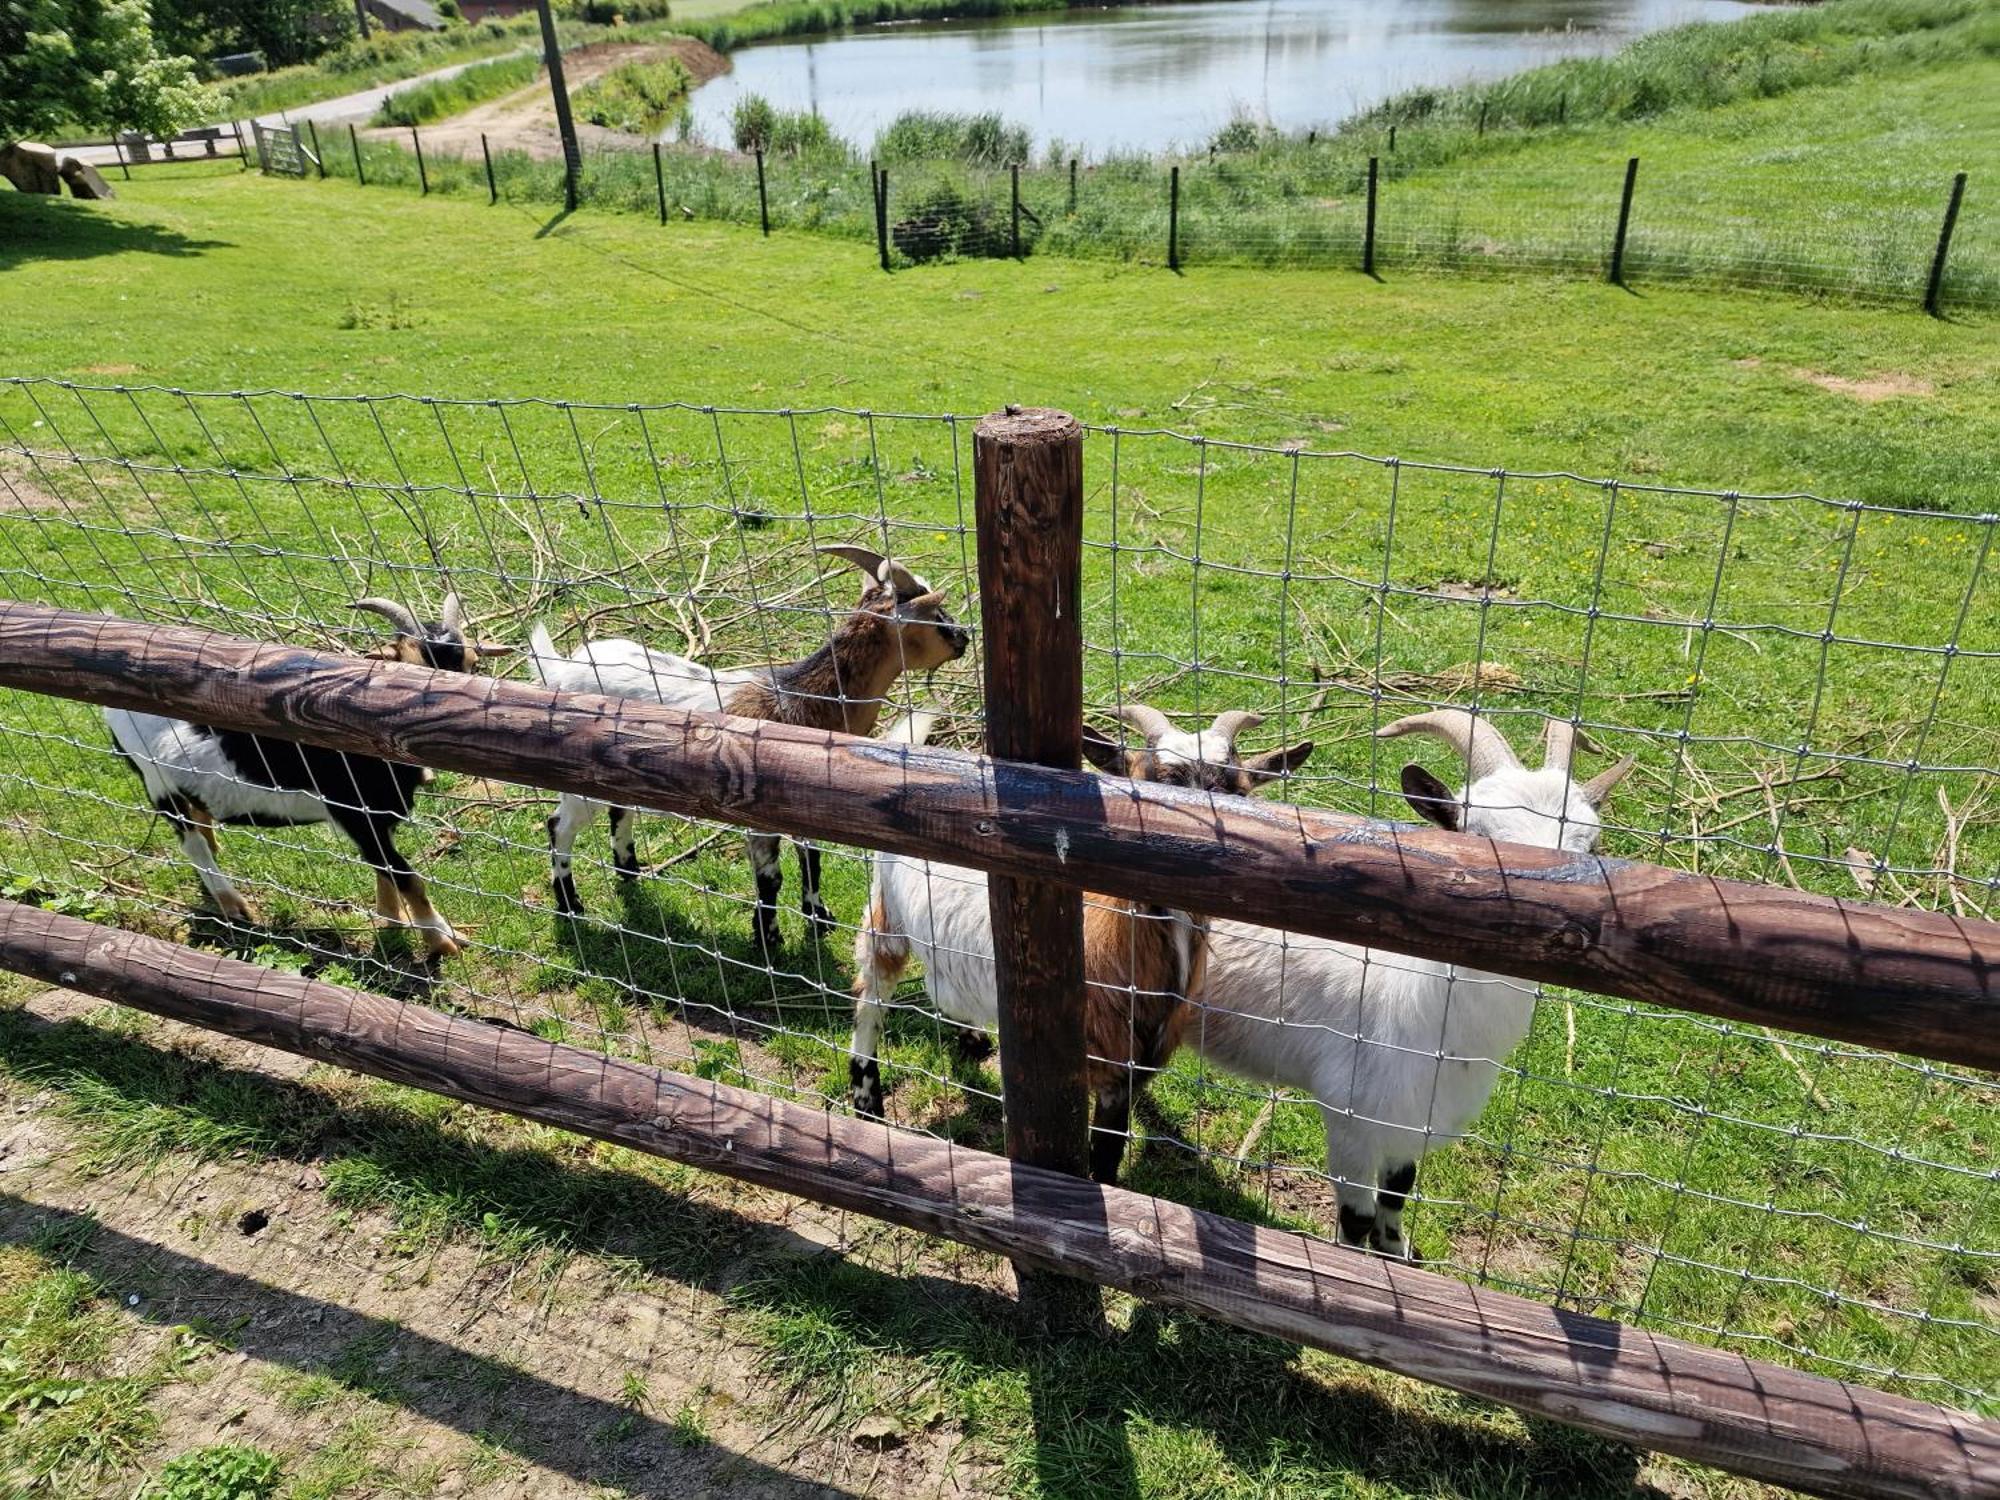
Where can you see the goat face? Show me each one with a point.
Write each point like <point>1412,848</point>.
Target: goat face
<point>1205,760</point>
<point>1506,801</point>
<point>926,636</point>
<point>441,644</point>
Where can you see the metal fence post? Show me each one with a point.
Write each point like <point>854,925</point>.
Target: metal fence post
<point>1482,117</point>
<point>1028,498</point>
<point>242,151</point>
<point>1392,140</point>
<point>319,156</point>
<point>354,140</point>
<point>763,202</point>
<point>1072,185</point>
<point>1014,175</point>
<point>1562,108</point>
<point>1624,223</point>
<point>882,216</point>
<point>659,183</point>
<point>1936,287</point>
<point>1174,219</point>
<point>492,188</point>
<point>1368,236</point>
<point>423,176</point>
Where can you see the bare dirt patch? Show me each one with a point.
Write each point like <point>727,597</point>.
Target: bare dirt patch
<point>1870,388</point>
<point>18,492</point>
<point>526,120</point>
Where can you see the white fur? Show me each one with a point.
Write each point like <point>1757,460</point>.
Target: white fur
<point>1400,1053</point>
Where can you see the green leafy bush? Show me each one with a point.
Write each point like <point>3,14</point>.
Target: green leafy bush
<point>930,135</point>
<point>634,96</point>
<point>228,1471</point>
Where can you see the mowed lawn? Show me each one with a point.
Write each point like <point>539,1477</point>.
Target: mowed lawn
<point>1637,1162</point>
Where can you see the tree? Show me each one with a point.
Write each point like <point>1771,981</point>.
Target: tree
<point>285,31</point>
<point>91,64</point>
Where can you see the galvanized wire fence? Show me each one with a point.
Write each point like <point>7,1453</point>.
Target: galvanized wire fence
<point>1290,203</point>
<point>1811,688</point>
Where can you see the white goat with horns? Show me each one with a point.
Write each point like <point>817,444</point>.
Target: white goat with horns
<point>1400,1053</point>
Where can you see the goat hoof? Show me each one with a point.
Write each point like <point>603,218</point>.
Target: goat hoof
<point>437,946</point>
<point>769,938</point>
<point>819,920</point>
<point>972,1045</point>
<point>240,911</point>
<point>566,900</point>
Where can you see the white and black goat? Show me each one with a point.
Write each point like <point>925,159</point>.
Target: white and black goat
<point>900,625</point>
<point>198,776</point>
<point>1400,1053</point>
<point>1140,962</point>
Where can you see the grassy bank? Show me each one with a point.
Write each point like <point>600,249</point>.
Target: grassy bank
<point>424,102</point>
<point>364,65</point>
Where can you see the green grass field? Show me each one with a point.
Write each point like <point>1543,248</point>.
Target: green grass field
<point>1627,1165</point>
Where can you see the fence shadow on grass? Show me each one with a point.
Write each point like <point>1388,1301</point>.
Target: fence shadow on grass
<point>34,228</point>
<point>1190,1384</point>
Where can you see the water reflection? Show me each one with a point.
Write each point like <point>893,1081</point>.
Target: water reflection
<point>1154,77</point>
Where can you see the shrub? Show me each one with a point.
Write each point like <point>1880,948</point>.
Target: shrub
<point>634,96</point>
<point>943,220</point>
<point>1241,134</point>
<point>758,125</point>
<point>929,135</point>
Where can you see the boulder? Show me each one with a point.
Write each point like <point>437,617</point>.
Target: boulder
<point>31,167</point>
<point>84,180</point>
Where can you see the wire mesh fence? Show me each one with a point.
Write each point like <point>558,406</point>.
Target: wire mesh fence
<point>1809,687</point>
<point>1762,223</point>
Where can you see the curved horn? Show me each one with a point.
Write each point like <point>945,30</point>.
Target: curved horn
<point>394,613</point>
<point>867,561</point>
<point>1595,790</point>
<point>1143,717</point>
<point>1559,746</point>
<point>906,582</point>
<point>1229,725</point>
<point>452,620</point>
<point>1484,748</point>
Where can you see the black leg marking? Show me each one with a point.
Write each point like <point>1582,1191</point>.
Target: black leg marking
<point>865,1079</point>
<point>561,881</point>
<point>818,918</point>
<point>972,1045</point>
<point>1355,1227</point>
<point>1397,1185</point>
<point>1109,1131</point>
<point>624,852</point>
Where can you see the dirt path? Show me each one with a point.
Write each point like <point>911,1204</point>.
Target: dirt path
<point>526,120</point>
<point>443,1369</point>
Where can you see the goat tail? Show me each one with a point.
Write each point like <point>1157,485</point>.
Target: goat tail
<point>912,729</point>
<point>541,653</point>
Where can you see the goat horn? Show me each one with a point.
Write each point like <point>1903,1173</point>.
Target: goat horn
<point>1483,748</point>
<point>452,619</point>
<point>1564,740</point>
<point>394,613</point>
<point>1233,723</point>
<point>906,582</point>
<point>1595,790</point>
<point>862,558</point>
<point>1143,717</point>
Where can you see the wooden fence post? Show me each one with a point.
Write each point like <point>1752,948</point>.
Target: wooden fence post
<point>1562,108</point>
<point>1944,245</point>
<point>242,150</point>
<point>1482,117</point>
<point>763,202</point>
<point>355,141</point>
<point>319,156</point>
<point>125,167</point>
<point>659,182</point>
<point>1028,497</point>
<point>565,123</point>
<point>1174,219</point>
<point>1368,240</point>
<point>1624,223</point>
<point>423,176</point>
<point>492,188</point>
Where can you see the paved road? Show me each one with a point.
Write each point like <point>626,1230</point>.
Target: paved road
<point>358,108</point>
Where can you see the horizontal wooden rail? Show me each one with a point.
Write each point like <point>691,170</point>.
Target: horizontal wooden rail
<point>1756,1419</point>
<point>1909,981</point>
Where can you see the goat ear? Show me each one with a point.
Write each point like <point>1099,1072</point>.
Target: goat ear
<point>1103,753</point>
<point>1431,798</point>
<point>488,650</point>
<point>924,601</point>
<point>1272,764</point>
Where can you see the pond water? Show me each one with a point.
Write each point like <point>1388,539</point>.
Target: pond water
<point>1159,76</point>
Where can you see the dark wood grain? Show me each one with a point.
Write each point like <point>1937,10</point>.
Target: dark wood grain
<point>1919,982</point>
<point>1818,1435</point>
<point>1028,502</point>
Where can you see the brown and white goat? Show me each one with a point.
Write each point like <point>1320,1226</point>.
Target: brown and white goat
<point>1141,963</point>
<point>197,776</point>
<point>900,625</point>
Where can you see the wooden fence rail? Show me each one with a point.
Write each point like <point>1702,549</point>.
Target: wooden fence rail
<point>1908,981</point>
<point>1815,1434</point>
